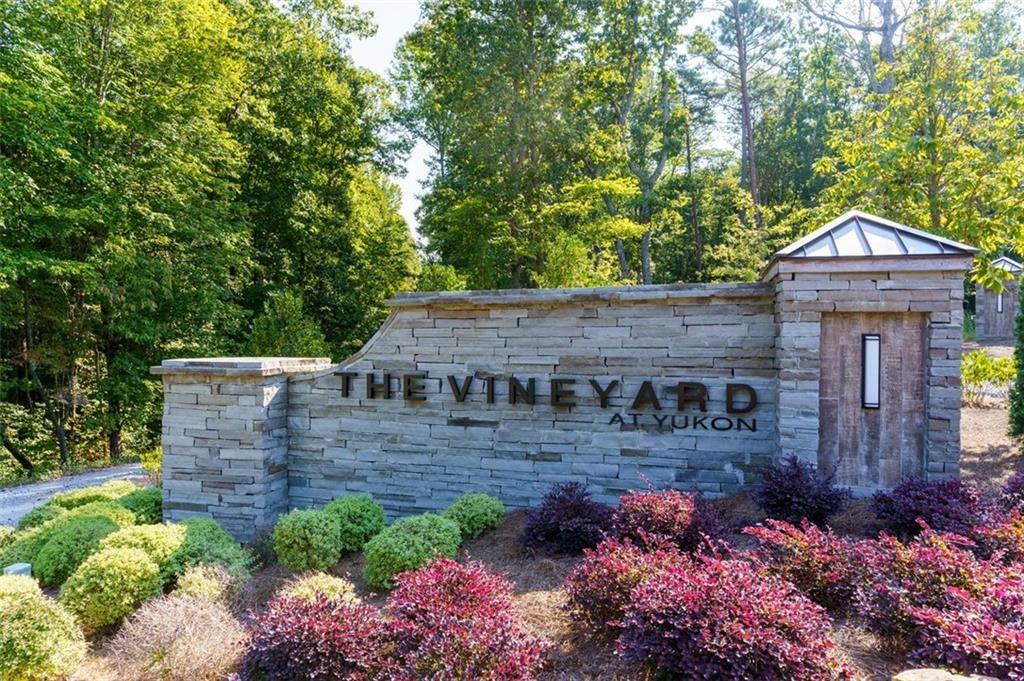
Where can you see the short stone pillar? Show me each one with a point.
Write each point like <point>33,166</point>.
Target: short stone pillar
<point>225,438</point>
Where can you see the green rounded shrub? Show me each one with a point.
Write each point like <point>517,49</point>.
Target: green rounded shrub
<point>6,535</point>
<point>26,544</point>
<point>109,585</point>
<point>206,542</point>
<point>475,513</point>
<point>157,541</point>
<point>206,580</point>
<point>39,639</point>
<point>359,517</point>
<point>39,515</point>
<point>314,585</point>
<point>307,540</point>
<point>23,546</point>
<point>68,547</point>
<point>146,503</point>
<point>408,544</point>
<point>108,491</point>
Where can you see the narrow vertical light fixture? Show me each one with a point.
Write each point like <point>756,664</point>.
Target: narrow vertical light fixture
<point>871,371</point>
<point>999,303</point>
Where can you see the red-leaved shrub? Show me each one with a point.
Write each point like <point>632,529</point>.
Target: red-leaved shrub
<point>653,518</point>
<point>1012,494</point>
<point>1002,533</point>
<point>567,520</point>
<point>599,587</point>
<point>816,561</point>
<point>452,622</point>
<point>897,578</point>
<point>794,489</point>
<point>297,640</point>
<point>715,618</point>
<point>976,635</point>
<point>944,505</point>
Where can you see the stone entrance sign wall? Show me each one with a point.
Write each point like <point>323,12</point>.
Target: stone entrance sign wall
<point>690,386</point>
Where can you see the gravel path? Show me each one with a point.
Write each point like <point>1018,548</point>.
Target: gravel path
<point>17,501</point>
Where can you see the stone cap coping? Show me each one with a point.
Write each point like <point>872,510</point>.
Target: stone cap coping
<point>566,296</point>
<point>241,366</point>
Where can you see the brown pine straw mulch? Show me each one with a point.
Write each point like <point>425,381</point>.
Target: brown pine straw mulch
<point>989,457</point>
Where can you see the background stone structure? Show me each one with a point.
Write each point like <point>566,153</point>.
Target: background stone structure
<point>245,439</point>
<point>989,323</point>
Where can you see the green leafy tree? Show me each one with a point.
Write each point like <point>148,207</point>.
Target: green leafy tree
<point>1017,392</point>
<point>284,330</point>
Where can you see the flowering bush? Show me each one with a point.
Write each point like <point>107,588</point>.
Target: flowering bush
<point>109,585</point>
<point>39,639</point>
<point>453,621</point>
<point>718,618</point>
<point>307,540</point>
<point>944,505</point>
<point>816,561</point>
<point>475,514</point>
<point>794,489</point>
<point>897,578</point>
<point>359,519</point>
<point>408,544</point>
<point>567,520</point>
<point>653,518</point>
<point>599,586</point>
<point>296,640</point>
<point>1011,496</point>
<point>976,635</point>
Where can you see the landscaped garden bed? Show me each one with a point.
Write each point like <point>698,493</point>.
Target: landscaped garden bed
<point>568,590</point>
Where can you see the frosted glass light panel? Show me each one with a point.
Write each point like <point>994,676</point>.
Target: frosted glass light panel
<point>999,303</point>
<point>872,367</point>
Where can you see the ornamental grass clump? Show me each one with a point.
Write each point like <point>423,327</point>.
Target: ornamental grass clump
<point>359,519</point>
<point>146,503</point>
<point>567,521</point>
<point>599,587</point>
<point>298,640</point>
<point>39,639</point>
<point>408,544</point>
<point>943,505</point>
<point>654,518</point>
<point>717,618</point>
<point>817,562</point>
<point>452,621</point>
<point>307,540</point>
<point>68,547</point>
<point>475,513</point>
<point>109,585</point>
<point>981,635</point>
<point>794,489</point>
<point>315,585</point>
<point>177,638</point>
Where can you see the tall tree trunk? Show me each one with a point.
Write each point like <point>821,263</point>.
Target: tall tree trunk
<point>695,226</point>
<point>15,451</point>
<point>746,114</point>
<point>645,256</point>
<point>620,250</point>
<point>48,407</point>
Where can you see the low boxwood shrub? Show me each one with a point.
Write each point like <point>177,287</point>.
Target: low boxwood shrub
<point>359,519</point>
<point>944,505</point>
<point>567,520</point>
<point>314,585</point>
<point>206,542</point>
<point>206,580</point>
<point>39,639</point>
<point>297,640</point>
<point>146,503</point>
<point>68,547</point>
<point>721,619</point>
<point>457,622</point>
<point>475,513</point>
<point>652,518</point>
<point>109,585</point>
<point>599,587</point>
<point>819,563</point>
<point>975,635</point>
<point>24,547</point>
<point>408,544</point>
<point>307,540</point>
<point>6,535</point>
<point>39,515</point>
<point>895,579</point>
<point>177,638</point>
<point>108,491</point>
<point>794,489</point>
<point>158,542</point>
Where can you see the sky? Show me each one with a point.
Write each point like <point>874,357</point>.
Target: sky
<point>394,18</point>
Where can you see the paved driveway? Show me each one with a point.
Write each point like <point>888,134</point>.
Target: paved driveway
<point>17,501</point>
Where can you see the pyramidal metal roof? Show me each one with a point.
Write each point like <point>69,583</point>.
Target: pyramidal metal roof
<point>1005,263</point>
<point>856,234</point>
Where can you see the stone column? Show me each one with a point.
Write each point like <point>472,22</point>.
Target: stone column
<point>225,438</point>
